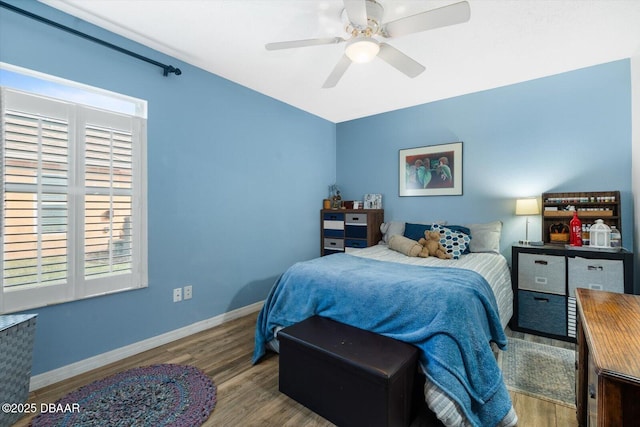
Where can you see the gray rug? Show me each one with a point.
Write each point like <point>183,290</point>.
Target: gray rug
<point>539,370</point>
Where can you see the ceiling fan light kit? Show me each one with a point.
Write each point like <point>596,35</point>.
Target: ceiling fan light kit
<point>363,22</point>
<point>362,49</point>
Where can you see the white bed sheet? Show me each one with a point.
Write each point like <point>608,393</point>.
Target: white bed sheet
<point>493,267</point>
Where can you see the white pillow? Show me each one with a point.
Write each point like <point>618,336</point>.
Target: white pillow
<point>485,237</point>
<point>390,228</point>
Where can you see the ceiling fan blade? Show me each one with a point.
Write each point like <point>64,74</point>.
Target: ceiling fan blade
<point>399,60</point>
<point>456,13</point>
<point>337,72</point>
<point>356,11</point>
<point>303,43</point>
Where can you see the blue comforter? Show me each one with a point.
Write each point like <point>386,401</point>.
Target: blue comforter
<point>449,314</point>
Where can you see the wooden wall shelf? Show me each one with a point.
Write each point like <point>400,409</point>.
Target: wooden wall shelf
<point>591,205</point>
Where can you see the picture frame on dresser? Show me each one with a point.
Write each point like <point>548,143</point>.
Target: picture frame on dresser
<point>373,201</point>
<point>434,170</point>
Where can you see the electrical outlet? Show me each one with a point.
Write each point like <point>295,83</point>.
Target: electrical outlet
<point>188,292</point>
<point>177,294</point>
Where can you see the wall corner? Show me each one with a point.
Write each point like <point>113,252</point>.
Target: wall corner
<point>635,162</point>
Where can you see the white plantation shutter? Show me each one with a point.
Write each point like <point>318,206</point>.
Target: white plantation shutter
<point>74,212</point>
<point>35,200</point>
<point>108,172</point>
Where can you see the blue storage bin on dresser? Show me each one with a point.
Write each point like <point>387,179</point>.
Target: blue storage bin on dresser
<point>542,312</point>
<point>17,333</point>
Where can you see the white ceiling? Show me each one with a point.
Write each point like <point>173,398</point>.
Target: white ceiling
<point>505,42</point>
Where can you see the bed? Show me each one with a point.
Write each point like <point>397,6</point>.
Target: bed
<point>416,300</point>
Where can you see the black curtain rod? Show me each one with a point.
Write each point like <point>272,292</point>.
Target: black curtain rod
<point>167,69</point>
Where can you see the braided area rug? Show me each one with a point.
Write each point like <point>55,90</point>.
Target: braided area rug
<point>157,395</point>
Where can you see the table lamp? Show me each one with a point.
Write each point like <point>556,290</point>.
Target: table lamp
<point>527,207</point>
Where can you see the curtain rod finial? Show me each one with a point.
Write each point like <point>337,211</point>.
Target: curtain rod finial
<point>171,69</point>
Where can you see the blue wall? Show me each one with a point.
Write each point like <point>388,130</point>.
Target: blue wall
<point>233,198</point>
<point>568,132</point>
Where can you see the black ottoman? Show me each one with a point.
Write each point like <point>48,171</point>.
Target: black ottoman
<point>350,376</point>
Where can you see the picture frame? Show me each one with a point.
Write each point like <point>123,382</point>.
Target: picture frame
<point>373,201</point>
<point>434,170</point>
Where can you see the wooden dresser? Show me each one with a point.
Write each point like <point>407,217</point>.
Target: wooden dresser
<point>608,359</point>
<point>349,228</point>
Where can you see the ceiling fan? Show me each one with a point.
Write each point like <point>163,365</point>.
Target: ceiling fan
<point>363,19</point>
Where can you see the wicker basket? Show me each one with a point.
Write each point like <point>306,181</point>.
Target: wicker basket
<point>17,332</point>
<point>559,233</point>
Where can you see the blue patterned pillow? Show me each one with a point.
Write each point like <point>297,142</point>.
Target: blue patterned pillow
<point>455,242</point>
<point>465,230</point>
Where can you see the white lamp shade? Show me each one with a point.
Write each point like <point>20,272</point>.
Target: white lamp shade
<point>362,49</point>
<point>527,207</point>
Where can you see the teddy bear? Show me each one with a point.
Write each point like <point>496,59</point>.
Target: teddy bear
<point>431,246</point>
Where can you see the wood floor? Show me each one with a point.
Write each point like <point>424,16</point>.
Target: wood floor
<point>535,412</point>
<point>248,395</point>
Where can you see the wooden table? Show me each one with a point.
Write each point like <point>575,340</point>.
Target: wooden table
<point>608,358</point>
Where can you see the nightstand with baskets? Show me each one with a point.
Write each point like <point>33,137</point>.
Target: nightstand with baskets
<point>545,279</point>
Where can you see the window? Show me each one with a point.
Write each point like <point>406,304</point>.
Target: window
<point>73,192</point>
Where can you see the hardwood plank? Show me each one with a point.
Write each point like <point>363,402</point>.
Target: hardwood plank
<point>248,394</point>
<point>566,416</point>
<point>533,412</point>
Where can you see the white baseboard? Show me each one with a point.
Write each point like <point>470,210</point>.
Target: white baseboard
<point>86,365</point>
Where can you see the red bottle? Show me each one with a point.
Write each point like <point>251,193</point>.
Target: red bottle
<point>575,233</point>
